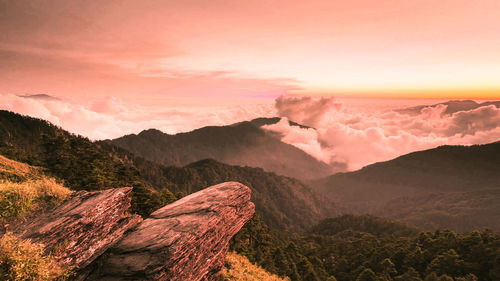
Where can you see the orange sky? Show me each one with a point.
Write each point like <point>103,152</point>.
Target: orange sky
<point>212,50</point>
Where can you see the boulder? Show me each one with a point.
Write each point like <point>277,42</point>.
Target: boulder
<point>186,240</point>
<point>83,227</point>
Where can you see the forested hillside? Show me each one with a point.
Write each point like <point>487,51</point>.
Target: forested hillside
<point>368,248</point>
<point>455,187</point>
<point>283,202</point>
<point>242,144</point>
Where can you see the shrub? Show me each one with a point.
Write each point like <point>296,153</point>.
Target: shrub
<point>17,199</point>
<point>23,260</point>
<point>239,268</point>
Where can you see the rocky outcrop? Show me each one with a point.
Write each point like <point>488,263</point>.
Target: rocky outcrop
<point>93,234</point>
<point>83,227</point>
<point>186,240</point>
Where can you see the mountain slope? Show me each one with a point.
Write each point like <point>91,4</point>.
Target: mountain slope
<point>243,144</point>
<point>282,202</point>
<point>465,175</point>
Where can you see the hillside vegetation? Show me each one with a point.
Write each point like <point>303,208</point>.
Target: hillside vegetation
<point>24,189</point>
<point>367,248</point>
<point>283,202</point>
<point>239,268</point>
<point>456,187</point>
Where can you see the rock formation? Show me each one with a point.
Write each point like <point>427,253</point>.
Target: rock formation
<point>186,240</point>
<point>83,227</point>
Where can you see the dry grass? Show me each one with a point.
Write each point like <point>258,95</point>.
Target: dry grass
<point>23,260</point>
<point>16,171</point>
<point>239,268</point>
<point>17,199</point>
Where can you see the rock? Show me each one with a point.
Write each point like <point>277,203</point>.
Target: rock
<point>186,240</point>
<point>83,227</point>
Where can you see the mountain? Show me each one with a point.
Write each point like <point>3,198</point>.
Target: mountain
<point>452,106</point>
<point>282,202</point>
<point>243,144</point>
<point>450,186</point>
<point>39,97</point>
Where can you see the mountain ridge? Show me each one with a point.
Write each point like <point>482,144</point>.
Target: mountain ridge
<point>450,171</point>
<point>243,144</point>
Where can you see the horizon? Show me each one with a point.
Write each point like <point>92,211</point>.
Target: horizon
<point>107,69</point>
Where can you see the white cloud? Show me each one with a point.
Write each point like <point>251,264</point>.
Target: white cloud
<point>358,138</point>
<point>111,117</point>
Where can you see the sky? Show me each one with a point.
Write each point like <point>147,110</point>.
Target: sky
<point>197,52</point>
<point>104,69</point>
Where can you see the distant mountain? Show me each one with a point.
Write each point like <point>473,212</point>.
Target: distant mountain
<point>243,144</point>
<point>452,106</point>
<point>283,203</point>
<point>450,186</point>
<point>39,97</point>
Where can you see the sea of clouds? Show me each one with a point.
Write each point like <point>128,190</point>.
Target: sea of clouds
<point>337,133</point>
<point>112,117</point>
<point>360,137</point>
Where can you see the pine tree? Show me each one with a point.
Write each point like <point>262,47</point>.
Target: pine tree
<point>367,275</point>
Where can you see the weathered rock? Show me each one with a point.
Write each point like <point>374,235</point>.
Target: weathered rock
<point>186,240</point>
<point>82,227</point>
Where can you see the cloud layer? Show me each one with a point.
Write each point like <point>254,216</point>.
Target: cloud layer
<point>112,117</point>
<point>339,133</point>
<point>358,138</point>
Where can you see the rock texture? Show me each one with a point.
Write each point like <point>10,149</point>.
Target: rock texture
<point>83,227</point>
<point>186,240</point>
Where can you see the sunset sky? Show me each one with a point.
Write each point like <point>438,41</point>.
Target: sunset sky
<point>174,51</point>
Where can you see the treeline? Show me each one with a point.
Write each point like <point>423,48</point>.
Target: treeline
<point>359,249</point>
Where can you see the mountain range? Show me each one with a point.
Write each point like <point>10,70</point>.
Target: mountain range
<point>282,202</point>
<point>242,144</point>
<point>455,187</point>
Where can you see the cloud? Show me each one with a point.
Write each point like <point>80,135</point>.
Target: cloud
<point>358,138</point>
<point>111,117</point>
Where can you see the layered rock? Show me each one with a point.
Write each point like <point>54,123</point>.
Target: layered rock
<point>83,227</point>
<point>186,240</point>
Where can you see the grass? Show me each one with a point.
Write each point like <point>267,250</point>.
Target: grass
<point>18,199</point>
<point>239,268</point>
<point>14,171</point>
<point>23,260</point>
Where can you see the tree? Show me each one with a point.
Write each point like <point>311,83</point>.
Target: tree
<point>367,275</point>
<point>410,275</point>
<point>445,277</point>
<point>447,263</point>
<point>432,277</point>
<point>281,262</point>
<point>468,277</point>
<point>388,268</point>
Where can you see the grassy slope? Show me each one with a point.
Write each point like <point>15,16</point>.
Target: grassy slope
<point>239,268</point>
